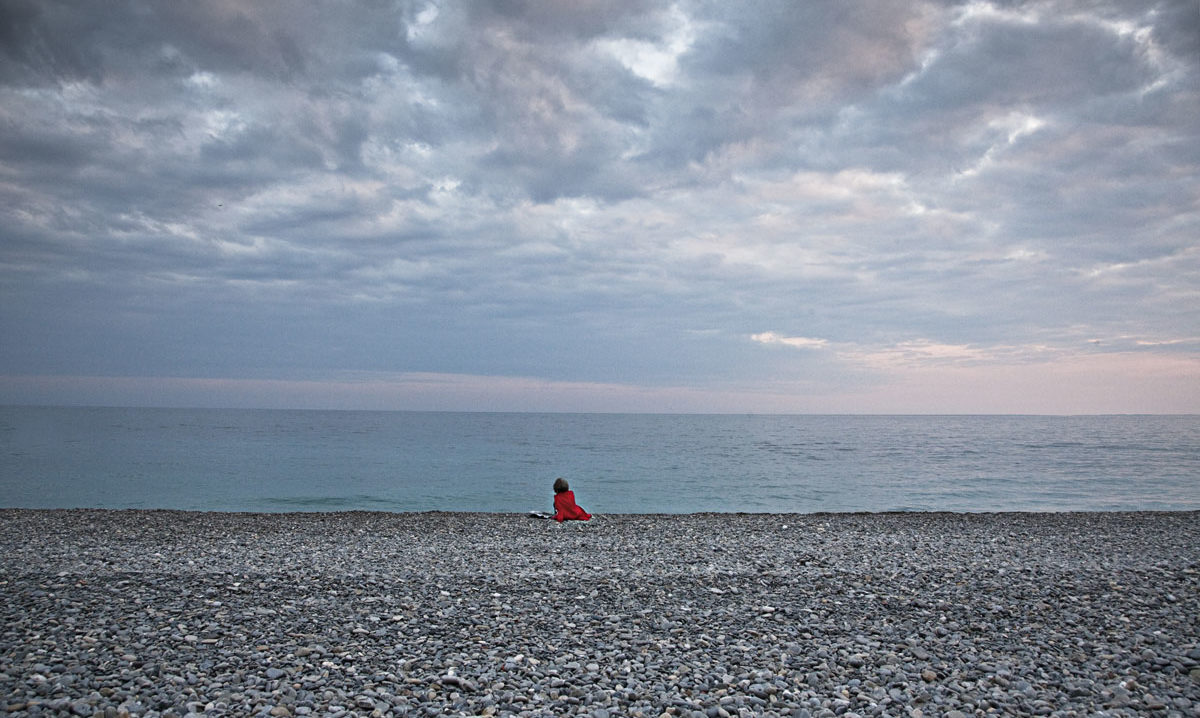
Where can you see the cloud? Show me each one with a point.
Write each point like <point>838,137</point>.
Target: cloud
<point>920,353</point>
<point>600,193</point>
<point>795,342</point>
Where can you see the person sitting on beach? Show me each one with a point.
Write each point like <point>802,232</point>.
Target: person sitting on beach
<point>565,508</point>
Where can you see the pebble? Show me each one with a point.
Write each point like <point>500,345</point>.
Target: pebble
<point>157,613</point>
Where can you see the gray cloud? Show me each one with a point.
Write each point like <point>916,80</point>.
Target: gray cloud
<point>594,192</point>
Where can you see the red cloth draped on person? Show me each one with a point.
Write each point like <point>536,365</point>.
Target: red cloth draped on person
<point>565,508</point>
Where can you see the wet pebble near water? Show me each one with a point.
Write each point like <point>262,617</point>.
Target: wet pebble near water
<point>158,613</point>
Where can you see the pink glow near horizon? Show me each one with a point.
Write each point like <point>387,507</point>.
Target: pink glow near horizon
<point>1118,383</point>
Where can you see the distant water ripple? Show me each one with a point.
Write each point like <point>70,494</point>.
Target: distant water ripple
<point>246,460</point>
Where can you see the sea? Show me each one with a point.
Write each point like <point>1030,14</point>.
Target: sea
<point>283,461</point>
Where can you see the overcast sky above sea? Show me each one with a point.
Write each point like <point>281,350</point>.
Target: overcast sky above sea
<point>899,207</point>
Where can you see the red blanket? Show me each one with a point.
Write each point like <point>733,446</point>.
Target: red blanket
<point>565,508</point>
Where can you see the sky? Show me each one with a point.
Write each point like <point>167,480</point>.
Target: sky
<point>860,206</point>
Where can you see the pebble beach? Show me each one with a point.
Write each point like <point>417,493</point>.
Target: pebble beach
<point>166,613</point>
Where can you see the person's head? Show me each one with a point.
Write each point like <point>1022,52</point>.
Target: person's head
<point>560,485</point>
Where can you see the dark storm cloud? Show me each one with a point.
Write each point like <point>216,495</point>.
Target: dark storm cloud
<point>38,44</point>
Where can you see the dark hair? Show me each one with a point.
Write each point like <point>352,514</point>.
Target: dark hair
<point>560,485</point>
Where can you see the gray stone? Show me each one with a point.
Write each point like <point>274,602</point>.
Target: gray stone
<point>638,631</point>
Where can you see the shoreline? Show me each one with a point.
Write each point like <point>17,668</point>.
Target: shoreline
<point>159,612</point>
<point>660,514</point>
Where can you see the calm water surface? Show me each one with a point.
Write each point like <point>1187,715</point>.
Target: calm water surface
<point>268,460</point>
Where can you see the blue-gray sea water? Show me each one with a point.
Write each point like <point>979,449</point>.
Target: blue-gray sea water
<point>271,460</point>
